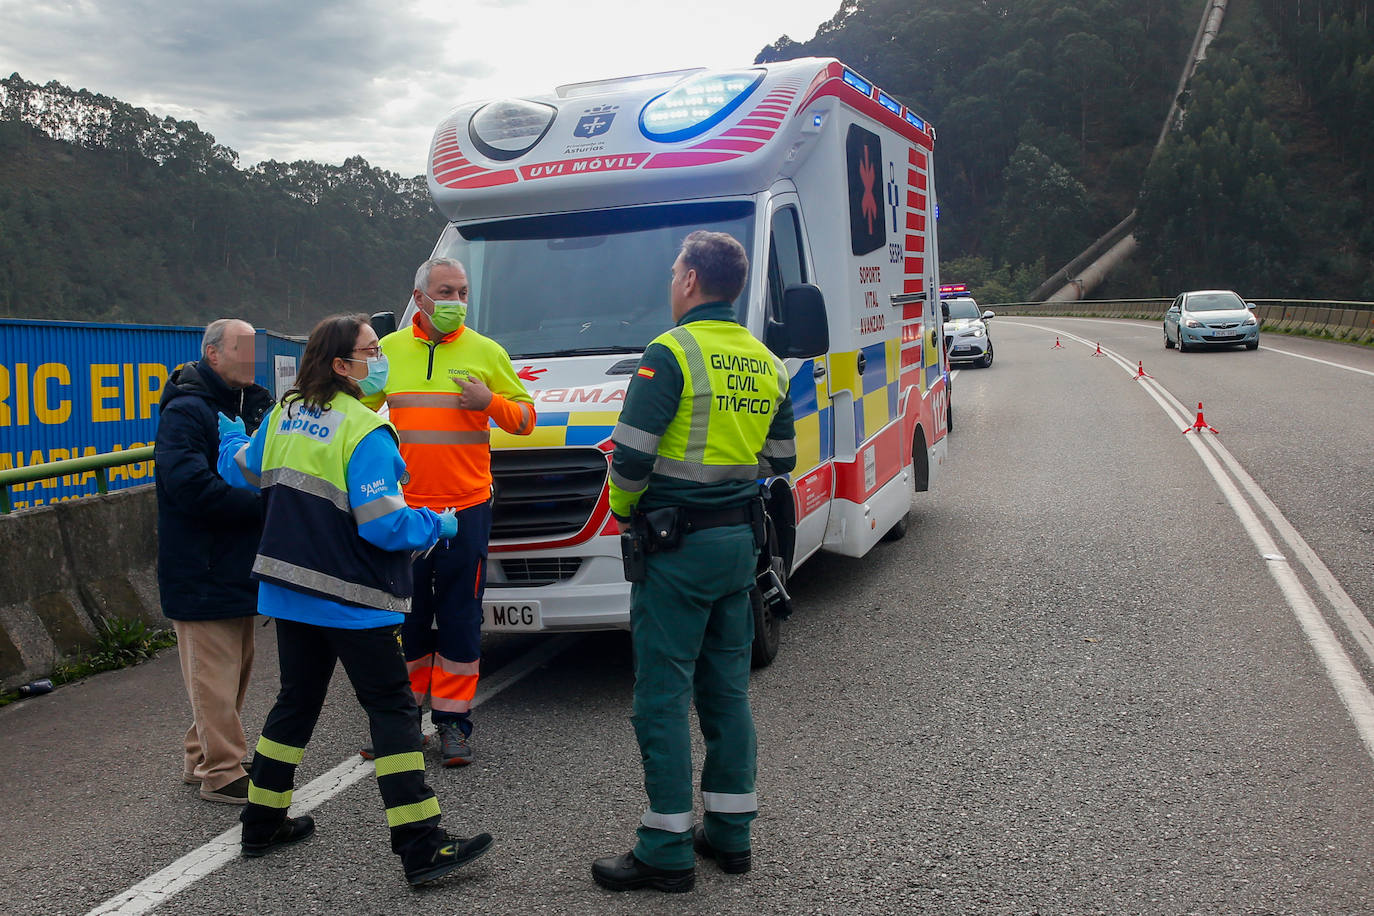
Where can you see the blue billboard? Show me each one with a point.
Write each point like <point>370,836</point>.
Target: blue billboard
<point>69,389</point>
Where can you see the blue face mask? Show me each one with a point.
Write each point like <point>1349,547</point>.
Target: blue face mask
<point>377,369</point>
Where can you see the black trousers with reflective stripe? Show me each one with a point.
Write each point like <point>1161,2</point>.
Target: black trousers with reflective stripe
<point>374,664</point>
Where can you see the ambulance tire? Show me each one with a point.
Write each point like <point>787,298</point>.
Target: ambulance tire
<point>767,625</point>
<point>949,415</point>
<point>898,531</point>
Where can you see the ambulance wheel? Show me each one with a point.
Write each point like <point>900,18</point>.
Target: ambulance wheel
<point>767,631</point>
<point>897,531</point>
<point>949,417</point>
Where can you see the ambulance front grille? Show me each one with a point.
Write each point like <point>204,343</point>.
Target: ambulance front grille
<point>534,571</point>
<point>545,492</point>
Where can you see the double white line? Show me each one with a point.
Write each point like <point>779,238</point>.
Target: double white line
<point>1231,480</point>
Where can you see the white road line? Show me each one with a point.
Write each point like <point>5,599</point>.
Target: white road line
<point>1314,359</point>
<point>1354,693</point>
<point>161,886</point>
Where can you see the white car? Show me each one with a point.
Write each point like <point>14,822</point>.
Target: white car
<point>966,331</point>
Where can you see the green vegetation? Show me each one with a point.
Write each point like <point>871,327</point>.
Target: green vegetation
<point>120,643</point>
<point>1048,112</point>
<point>109,214</point>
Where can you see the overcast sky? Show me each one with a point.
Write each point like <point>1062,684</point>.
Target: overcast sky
<point>327,79</point>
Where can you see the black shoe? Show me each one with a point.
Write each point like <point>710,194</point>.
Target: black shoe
<point>732,863</point>
<point>626,873</point>
<point>291,830</point>
<point>455,852</point>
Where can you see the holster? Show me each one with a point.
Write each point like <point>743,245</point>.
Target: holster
<point>632,553</point>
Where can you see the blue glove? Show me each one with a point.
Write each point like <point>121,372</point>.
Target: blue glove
<point>448,524</point>
<point>227,425</point>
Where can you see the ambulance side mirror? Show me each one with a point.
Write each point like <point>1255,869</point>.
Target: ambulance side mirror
<point>383,323</point>
<point>804,332</point>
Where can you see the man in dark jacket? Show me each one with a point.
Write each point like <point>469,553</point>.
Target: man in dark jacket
<point>208,535</point>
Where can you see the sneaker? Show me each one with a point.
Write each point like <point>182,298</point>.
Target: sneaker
<point>455,852</point>
<point>455,750</point>
<point>236,793</point>
<point>291,830</point>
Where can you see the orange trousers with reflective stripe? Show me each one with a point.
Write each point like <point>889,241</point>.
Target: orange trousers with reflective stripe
<point>442,634</point>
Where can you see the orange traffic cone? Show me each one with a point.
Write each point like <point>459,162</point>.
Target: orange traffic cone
<point>1140,372</point>
<point>1057,345</point>
<point>1099,351</point>
<point>1200,424</point>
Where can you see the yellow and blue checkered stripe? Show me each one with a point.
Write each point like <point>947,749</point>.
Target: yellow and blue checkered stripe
<point>552,430</point>
<point>811,419</point>
<point>875,392</point>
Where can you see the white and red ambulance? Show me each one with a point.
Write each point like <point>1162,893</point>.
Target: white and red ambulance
<point>568,210</point>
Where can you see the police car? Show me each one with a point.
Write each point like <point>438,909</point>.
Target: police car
<point>966,328</point>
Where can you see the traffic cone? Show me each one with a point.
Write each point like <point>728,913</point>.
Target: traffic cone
<point>1140,372</point>
<point>1057,345</point>
<point>1099,351</point>
<point>1200,424</point>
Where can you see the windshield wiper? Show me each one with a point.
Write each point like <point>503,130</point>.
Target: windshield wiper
<point>578,351</point>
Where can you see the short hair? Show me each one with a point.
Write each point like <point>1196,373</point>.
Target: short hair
<point>720,262</point>
<point>214,333</point>
<point>422,275</point>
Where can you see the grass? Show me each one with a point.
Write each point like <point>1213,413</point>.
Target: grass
<point>120,643</point>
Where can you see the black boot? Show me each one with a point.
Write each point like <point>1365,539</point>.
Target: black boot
<point>456,851</point>
<point>626,873</point>
<point>732,863</point>
<point>290,830</point>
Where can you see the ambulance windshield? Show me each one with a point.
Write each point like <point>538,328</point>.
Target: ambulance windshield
<point>583,283</point>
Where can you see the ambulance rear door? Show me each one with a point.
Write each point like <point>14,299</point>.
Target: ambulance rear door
<point>789,263</point>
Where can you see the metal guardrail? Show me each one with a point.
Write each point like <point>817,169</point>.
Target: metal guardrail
<point>1338,319</point>
<point>99,464</point>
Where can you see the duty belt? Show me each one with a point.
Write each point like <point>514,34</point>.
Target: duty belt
<point>699,519</point>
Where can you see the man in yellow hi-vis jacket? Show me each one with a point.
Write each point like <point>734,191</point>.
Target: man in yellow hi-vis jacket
<point>706,416</point>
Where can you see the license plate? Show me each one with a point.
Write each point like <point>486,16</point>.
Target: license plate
<point>511,615</point>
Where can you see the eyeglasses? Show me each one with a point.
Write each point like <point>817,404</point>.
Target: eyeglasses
<point>370,351</point>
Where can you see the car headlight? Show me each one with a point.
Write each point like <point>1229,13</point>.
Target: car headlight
<point>1249,320</point>
<point>974,332</point>
<point>1191,323</point>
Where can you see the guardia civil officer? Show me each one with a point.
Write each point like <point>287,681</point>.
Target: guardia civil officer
<point>706,415</point>
<point>334,571</point>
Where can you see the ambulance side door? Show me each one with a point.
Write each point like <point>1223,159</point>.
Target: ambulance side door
<point>812,480</point>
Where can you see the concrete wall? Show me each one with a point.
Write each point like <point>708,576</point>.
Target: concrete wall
<point>64,567</point>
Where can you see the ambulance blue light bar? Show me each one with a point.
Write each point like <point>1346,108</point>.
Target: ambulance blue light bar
<point>889,103</point>
<point>858,82</point>
<point>694,106</point>
<point>915,121</point>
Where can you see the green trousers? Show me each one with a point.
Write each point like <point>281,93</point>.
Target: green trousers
<point>693,629</point>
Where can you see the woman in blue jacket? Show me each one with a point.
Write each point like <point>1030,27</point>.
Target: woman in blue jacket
<point>333,569</point>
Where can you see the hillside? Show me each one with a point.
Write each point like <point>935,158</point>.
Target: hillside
<point>1047,112</point>
<point>110,214</point>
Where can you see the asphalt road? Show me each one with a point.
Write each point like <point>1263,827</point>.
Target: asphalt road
<point>1076,687</point>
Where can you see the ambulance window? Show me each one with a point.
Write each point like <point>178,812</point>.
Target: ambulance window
<point>785,263</point>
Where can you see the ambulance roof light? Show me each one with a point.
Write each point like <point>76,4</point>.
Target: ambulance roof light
<point>858,82</point>
<point>509,128</point>
<point>914,121</point>
<point>889,103</point>
<point>695,105</point>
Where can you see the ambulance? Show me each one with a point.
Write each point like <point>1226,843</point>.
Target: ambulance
<point>568,210</point>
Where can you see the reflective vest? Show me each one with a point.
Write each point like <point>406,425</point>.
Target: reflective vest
<point>310,539</point>
<point>731,387</point>
<point>447,450</point>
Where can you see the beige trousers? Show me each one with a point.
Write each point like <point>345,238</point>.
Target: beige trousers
<point>216,661</point>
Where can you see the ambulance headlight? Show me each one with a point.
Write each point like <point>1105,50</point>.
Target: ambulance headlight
<point>510,128</point>
<point>694,106</point>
